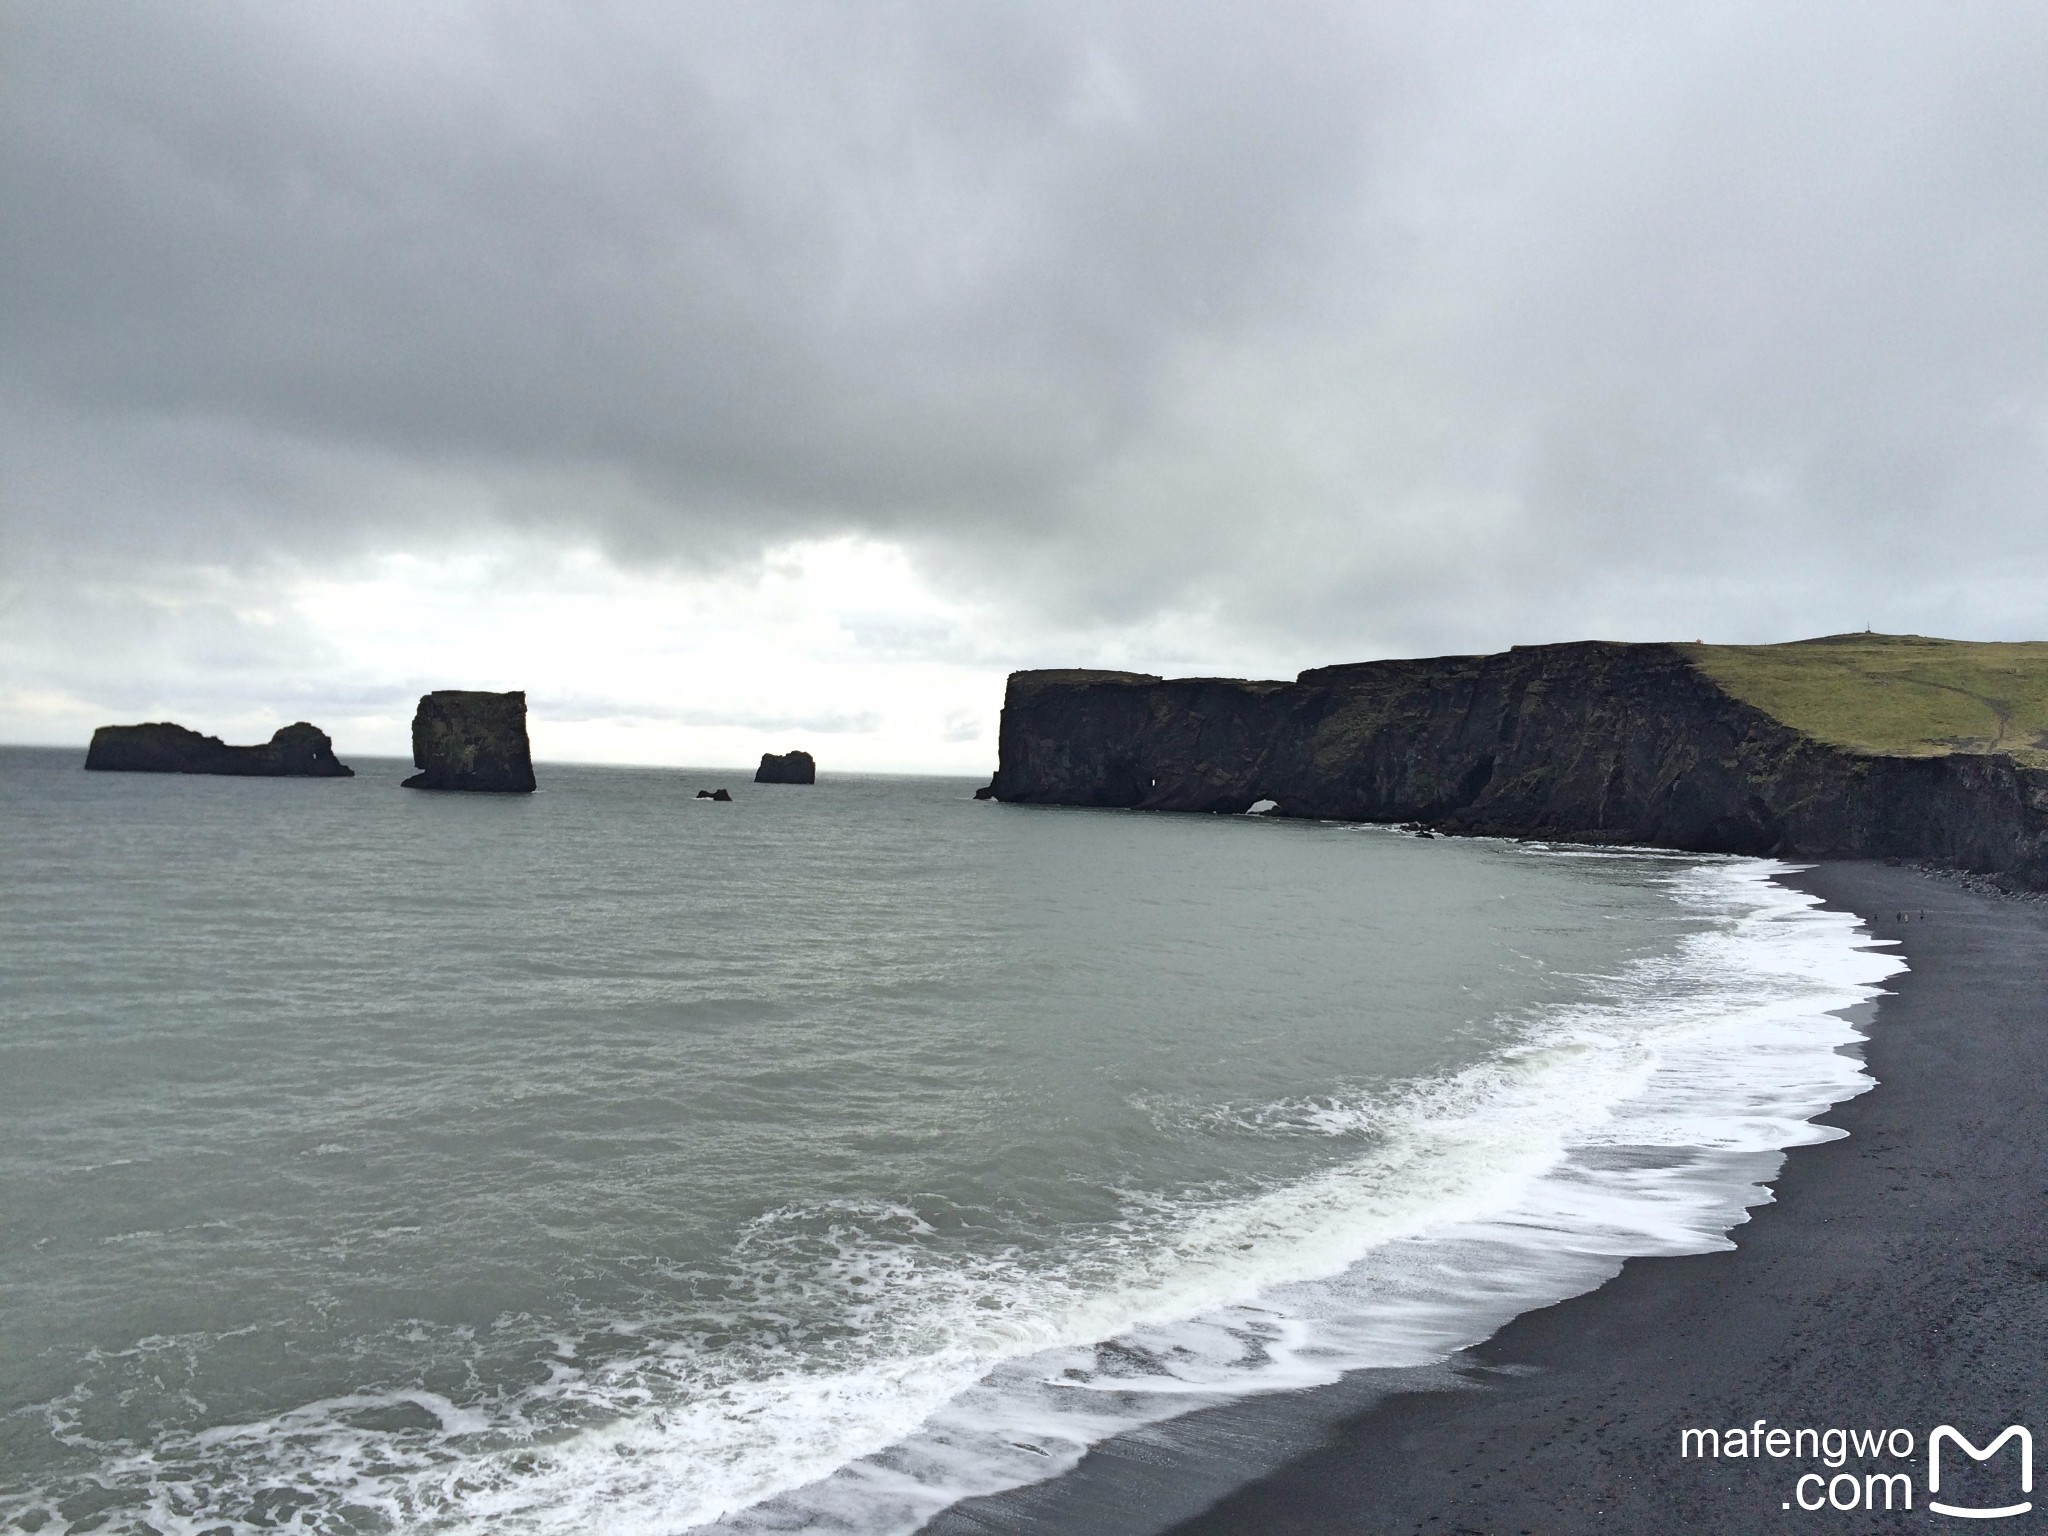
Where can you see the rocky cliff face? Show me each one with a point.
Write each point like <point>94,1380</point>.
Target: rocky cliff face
<point>298,751</point>
<point>1591,742</point>
<point>786,768</point>
<point>475,741</point>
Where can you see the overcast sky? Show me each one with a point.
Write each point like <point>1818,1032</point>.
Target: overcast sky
<point>739,377</point>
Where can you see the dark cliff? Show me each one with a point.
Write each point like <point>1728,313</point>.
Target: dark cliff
<point>786,768</point>
<point>1590,742</point>
<point>298,751</point>
<point>471,741</point>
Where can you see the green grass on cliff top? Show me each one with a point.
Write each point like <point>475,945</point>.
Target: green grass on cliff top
<point>1896,695</point>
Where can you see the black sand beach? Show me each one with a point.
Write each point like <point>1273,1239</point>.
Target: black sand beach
<point>1900,1280</point>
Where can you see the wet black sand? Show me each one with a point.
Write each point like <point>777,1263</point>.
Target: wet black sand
<point>1900,1280</point>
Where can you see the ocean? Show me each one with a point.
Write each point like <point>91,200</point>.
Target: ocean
<point>614,1161</point>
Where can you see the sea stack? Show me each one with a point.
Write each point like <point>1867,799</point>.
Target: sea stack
<point>477,741</point>
<point>298,751</point>
<point>788,768</point>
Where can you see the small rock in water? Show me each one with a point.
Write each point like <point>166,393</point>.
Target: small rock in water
<point>713,794</point>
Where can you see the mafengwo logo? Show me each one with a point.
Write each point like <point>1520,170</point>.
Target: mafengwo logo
<point>1982,1483</point>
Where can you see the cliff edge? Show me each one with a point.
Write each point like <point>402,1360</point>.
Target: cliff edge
<point>298,751</point>
<point>471,741</point>
<point>1853,746</point>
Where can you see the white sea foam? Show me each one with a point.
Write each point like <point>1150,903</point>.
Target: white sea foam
<point>1645,1122</point>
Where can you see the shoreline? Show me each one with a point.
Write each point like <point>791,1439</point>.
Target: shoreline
<point>1897,1278</point>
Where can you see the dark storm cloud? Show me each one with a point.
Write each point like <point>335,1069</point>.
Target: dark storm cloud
<point>803,264</point>
<point>1366,325</point>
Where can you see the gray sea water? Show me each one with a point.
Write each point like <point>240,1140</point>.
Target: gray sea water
<point>608,1160</point>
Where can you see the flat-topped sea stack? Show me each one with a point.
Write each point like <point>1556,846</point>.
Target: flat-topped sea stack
<point>474,741</point>
<point>1851,746</point>
<point>786,768</point>
<point>298,751</point>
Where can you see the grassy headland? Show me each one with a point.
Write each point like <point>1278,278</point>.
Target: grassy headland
<point>1896,695</point>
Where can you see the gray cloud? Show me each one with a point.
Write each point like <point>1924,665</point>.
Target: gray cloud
<point>1340,328</point>
<point>798,267</point>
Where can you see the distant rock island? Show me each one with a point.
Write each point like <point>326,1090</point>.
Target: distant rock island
<point>1857,746</point>
<point>298,751</point>
<point>714,794</point>
<point>473,741</point>
<point>788,768</point>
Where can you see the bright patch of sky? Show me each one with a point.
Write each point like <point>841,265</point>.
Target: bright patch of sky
<point>835,646</point>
